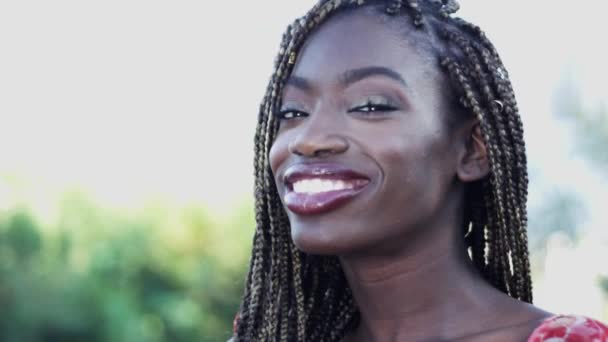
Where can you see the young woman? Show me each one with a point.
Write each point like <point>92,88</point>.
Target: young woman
<point>391,186</point>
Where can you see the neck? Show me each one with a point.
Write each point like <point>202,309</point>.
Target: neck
<point>417,292</point>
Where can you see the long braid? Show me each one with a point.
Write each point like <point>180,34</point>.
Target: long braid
<point>506,162</point>
<point>498,249</point>
<point>291,296</point>
<point>515,149</point>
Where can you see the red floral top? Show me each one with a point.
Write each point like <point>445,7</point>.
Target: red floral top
<point>570,329</point>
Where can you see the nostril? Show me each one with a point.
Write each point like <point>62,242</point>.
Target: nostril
<point>318,147</point>
<point>324,153</point>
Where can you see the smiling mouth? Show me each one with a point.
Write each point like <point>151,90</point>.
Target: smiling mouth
<point>315,186</point>
<point>316,189</point>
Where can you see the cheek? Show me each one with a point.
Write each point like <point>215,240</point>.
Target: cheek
<point>401,152</point>
<point>278,153</point>
<point>414,161</point>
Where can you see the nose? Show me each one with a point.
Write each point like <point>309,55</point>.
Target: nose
<point>318,138</point>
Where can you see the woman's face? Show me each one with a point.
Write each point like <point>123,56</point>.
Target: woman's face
<point>363,159</point>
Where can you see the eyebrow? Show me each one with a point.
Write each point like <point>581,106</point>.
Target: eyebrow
<point>299,82</point>
<point>350,76</point>
<point>355,75</point>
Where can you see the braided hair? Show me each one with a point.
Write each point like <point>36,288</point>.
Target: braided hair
<point>293,296</point>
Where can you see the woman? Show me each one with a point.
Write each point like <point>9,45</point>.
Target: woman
<point>390,185</point>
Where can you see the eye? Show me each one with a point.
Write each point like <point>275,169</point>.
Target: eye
<point>371,107</point>
<point>290,114</point>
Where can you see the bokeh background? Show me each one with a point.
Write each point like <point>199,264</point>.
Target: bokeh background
<point>126,158</point>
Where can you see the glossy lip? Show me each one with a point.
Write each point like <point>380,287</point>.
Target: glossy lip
<point>318,203</point>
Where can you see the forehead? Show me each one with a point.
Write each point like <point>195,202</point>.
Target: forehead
<point>359,39</point>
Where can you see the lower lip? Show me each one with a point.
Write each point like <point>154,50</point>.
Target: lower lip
<point>318,203</point>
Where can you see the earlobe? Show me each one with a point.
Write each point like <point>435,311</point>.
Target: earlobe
<point>474,163</point>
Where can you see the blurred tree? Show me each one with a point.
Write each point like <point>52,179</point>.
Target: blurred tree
<point>560,212</point>
<point>589,123</point>
<point>22,237</point>
<point>590,127</point>
<point>103,275</point>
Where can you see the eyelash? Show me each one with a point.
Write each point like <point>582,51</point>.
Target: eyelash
<point>371,107</point>
<point>367,109</point>
<point>282,115</point>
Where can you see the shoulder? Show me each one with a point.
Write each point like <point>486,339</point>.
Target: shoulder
<point>570,328</point>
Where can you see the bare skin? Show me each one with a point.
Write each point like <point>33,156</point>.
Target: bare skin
<point>399,242</point>
<point>430,296</point>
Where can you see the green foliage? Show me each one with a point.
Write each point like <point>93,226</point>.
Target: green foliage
<point>561,212</point>
<point>590,124</point>
<point>23,237</point>
<point>604,283</point>
<point>590,128</point>
<point>162,274</point>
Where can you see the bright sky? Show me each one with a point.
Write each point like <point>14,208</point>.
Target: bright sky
<point>131,98</point>
<point>128,98</point>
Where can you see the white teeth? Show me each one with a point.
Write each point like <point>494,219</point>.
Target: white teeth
<point>317,185</point>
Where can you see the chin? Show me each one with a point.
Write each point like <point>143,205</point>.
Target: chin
<point>313,241</point>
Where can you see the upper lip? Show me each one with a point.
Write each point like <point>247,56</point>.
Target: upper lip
<point>333,171</point>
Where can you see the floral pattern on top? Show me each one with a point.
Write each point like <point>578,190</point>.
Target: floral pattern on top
<point>570,328</point>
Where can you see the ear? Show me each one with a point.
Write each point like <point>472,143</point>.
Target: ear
<point>474,163</point>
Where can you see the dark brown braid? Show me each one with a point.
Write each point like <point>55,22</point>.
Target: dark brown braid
<point>292,296</point>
